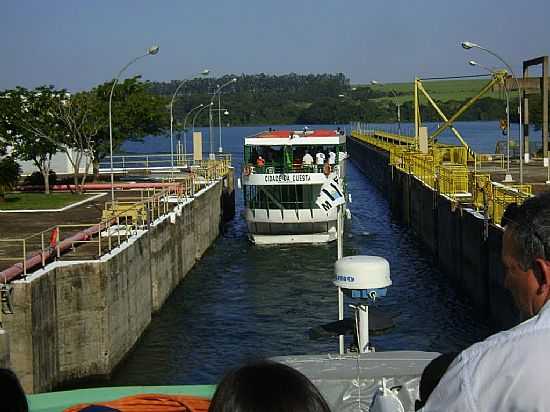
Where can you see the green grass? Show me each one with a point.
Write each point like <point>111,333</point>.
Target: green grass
<point>442,90</point>
<point>38,201</point>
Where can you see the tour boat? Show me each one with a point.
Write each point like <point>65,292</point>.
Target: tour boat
<point>283,175</point>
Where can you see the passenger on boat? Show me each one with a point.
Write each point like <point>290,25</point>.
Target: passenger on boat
<point>307,160</point>
<point>260,162</point>
<point>331,158</point>
<point>509,370</point>
<point>267,387</point>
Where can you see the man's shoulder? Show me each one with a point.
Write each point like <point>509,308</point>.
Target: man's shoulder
<point>534,330</point>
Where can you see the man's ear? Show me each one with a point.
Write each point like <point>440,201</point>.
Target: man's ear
<point>541,269</point>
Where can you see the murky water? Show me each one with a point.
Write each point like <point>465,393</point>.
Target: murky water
<point>243,301</point>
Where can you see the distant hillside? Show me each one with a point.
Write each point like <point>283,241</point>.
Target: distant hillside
<point>327,98</point>
<point>442,90</point>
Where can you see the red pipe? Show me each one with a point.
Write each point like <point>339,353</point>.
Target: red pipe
<point>36,258</point>
<point>100,186</point>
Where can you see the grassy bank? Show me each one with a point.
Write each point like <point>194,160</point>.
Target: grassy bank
<point>40,201</point>
<point>442,90</point>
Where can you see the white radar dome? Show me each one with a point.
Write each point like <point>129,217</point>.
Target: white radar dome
<point>362,273</point>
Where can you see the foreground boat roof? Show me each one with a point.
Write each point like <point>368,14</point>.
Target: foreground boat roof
<point>295,137</point>
<point>58,401</point>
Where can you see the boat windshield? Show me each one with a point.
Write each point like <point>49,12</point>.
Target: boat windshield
<point>292,159</point>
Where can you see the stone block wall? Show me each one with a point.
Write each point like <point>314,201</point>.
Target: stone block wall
<point>79,319</point>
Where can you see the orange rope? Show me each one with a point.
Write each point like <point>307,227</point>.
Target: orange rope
<point>152,403</point>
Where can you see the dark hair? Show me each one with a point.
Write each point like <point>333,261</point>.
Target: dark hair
<point>267,387</point>
<point>529,225</point>
<point>14,399</point>
<point>431,376</point>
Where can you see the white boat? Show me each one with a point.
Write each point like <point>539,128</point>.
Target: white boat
<point>281,184</point>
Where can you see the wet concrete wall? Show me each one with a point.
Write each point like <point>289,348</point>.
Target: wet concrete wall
<point>465,246</point>
<point>79,319</point>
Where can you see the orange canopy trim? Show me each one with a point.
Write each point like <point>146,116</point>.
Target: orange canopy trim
<point>152,403</point>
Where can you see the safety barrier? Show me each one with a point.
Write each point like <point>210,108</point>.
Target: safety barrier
<point>119,221</point>
<point>445,168</point>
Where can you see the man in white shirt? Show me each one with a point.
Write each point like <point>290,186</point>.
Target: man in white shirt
<point>510,371</point>
<point>307,159</point>
<point>331,158</point>
<point>320,158</point>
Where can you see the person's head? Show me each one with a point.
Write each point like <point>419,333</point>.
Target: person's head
<point>267,387</point>
<point>526,253</point>
<point>14,399</point>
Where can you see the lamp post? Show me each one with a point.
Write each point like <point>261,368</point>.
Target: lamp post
<point>184,129</point>
<point>202,73</point>
<point>150,51</point>
<point>397,104</point>
<point>508,177</point>
<point>199,112</point>
<point>469,45</point>
<point>216,92</point>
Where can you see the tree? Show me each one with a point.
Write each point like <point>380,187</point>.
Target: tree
<point>135,112</point>
<point>9,171</point>
<point>30,126</point>
<point>81,125</point>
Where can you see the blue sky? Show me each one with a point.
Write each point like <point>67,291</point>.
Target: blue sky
<point>77,44</point>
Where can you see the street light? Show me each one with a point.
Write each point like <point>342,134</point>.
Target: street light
<point>397,104</point>
<point>217,92</point>
<point>469,45</point>
<point>508,177</point>
<point>184,129</point>
<point>204,72</point>
<point>199,112</point>
<point>150,51</point>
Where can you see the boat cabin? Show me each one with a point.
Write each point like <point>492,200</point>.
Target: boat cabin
<point>285,151</point>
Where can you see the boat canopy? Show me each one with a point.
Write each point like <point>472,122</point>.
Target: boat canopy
<point>296,137</point>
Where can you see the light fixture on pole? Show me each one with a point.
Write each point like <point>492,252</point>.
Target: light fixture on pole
<point>150,51</point>
<point>508,178</point>
<point>216,92</point>
<point>204,72</point>
<point>185,123</point>
<point>397,104</point>
<point>469,45</point>
<point>197,114</point>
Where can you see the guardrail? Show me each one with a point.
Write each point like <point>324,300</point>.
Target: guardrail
<point>120,220</point>
<point>155,162</point>
<point>444,168</point>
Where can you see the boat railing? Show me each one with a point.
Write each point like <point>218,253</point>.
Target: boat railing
<point>271,168</point>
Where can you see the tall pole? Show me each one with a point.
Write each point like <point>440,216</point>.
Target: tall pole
<point>220,149</point>
<point>185,130</point>
<point>150,51</point>
<point>196,115</point>
<point>468,45</point>
<point>217,91</point>
<point>204,73</point>
<point>508,177</point>
<point>340,246</point>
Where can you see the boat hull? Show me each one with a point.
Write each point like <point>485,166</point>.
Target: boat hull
<point>271,226</point>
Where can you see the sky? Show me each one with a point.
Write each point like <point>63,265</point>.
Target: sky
<point>78,44</point>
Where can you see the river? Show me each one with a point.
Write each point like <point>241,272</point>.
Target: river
<point>243,302</point>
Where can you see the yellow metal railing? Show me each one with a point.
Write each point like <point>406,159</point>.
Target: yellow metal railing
<point>453,179</point>
<point>448,164</point>
<point>118,222</point>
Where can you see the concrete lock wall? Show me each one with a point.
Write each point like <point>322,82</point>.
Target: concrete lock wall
<point>79,319</point>
<point>466,247</point>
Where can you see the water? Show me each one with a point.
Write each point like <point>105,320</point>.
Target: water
<point>243,301</point>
